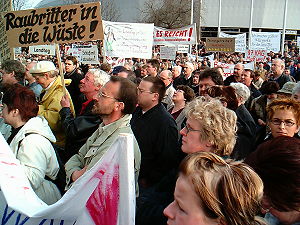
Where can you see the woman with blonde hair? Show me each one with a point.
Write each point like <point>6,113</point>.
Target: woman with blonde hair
<point>210,191</point>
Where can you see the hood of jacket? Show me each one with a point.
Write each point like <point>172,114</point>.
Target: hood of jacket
<point>37,125</point>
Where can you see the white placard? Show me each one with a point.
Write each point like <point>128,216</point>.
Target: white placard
<point>128,40</point>
<point>240,41</point>
<point>168,52</point>
<point>269,41</point>
<point>42,50</point>
<point>180,36</point>
<point>298,41</point>
<point>256,55</point>
<point>183,48</point>
<point>100,194</point>
<point>86,54</point>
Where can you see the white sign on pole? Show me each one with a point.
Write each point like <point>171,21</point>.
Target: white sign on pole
<point>256,55</point>
<point>183,48</point>
<point>240,41</point>
<point>18,50</point>
<point>298,41</point>
<point>168,52</point>
<point>105,194</point>
<point>269,41</point>
<point>128,40</point>
<point>86,54</point>
<point>42,50</point>
<point>184,35</point>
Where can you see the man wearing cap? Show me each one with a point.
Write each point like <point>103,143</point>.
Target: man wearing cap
<point>46,75</point>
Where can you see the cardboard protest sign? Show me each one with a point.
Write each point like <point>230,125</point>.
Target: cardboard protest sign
<point>256,55</point>
<point>61,24</point>
<point>42,49</point>
<point>168,52</point>
<point>269,41</point>
<point>183,36</point>
<point>86,54</point>
<point>5,52</point>
<point>183,48</point>
<point>105,194</point>
<point>214,44</point>
<point>128,40</point>
<point>240,41</point>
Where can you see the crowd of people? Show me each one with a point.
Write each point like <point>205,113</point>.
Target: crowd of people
<point>208,148</point>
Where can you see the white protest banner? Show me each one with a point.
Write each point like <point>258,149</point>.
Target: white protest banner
<point>86,54</point>
<point>227,68</point>
<point>298,41</point>
<point>105,194</point>
<point>183,48</point>
<point>42,49</point>
<point>183,36</point>
<point>128,40</point>
<point>240,40</point>
<point>249,66</point>
<point>256,55</point>
<point>168,52</point>
<point>269,41</point>
<point>60,24</point>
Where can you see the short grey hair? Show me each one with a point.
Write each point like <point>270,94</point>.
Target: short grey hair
<point>178,68</point>
<point>190,65</point>
<point>241,91</point>
<point>296,89</point>
<point>100,76</point>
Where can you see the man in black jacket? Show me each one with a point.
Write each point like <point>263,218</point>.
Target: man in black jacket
<point>79,129</point>
<point>156,133</point>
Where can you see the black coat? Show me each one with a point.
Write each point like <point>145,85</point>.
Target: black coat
<point>79,129</point>
<point>157,136</point>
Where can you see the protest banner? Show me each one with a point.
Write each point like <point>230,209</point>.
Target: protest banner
<point>256,55</point>
<point>183,36</point>
<point>5,51</point>
<point>168,52</point>
<point>227,68</point>
<point>105,194</point>
<point>128,40</point>
<point>269,41</point>
<point>61,24</point>
<point>42,49</point>
<point>86,54</point>
<point>240,41</point>
<point>183,48</point>
<point>214,44</point>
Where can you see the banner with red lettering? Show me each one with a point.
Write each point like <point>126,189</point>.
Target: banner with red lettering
<point>180,36</point>
<point>258,55</point>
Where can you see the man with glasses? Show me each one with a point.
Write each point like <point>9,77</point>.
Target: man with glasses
<point>186,78</point>
<point>166,77</point>
<point>114,103</point>
<point>156,132</point>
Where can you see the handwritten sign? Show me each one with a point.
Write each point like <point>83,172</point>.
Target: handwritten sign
<point>183,48</point>
<point>128,40</point>
<point>5,52</point>
<point>168,52</point>
<point>183,36</point>
<point>256,55</point>
<point>61,24</point>
<point>269,41</point>
<point>42,49</point>
<point>105,194</point>
<point>86,54</point>
<point>227,68</point>
<point>214,44</point>
<point>240,41</point>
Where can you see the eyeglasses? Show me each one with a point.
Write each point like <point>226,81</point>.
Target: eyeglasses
<point>189,129</point>
<point>101,94</point>
<point>142,91</point>
<point>287,123</point>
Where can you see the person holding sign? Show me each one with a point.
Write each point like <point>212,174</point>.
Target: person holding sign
<point>46,75</point>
